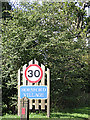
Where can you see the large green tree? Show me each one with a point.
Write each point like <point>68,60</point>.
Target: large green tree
<point>52,34</point>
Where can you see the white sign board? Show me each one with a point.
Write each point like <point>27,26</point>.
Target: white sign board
<point>33,73</point>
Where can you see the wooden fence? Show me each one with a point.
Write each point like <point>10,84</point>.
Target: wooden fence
<point>45,81</point>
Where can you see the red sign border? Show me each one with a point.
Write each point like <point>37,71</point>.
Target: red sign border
<point>40,70</point>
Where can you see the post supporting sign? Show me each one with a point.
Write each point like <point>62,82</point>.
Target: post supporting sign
<point>34,84</point>
<point>24,108</point>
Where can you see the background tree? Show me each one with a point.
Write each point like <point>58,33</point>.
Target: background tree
<point>5,7</point>
<point>51,34</point>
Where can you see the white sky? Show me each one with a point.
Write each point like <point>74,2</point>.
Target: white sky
<point>45,0</point>
<point>17,1</point>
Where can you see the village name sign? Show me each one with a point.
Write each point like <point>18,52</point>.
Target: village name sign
<point>33,92</point>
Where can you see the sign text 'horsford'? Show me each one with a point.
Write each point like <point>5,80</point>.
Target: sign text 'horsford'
<point>33,92</point>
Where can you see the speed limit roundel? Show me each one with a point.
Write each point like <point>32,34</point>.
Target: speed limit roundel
<point>33,73</point>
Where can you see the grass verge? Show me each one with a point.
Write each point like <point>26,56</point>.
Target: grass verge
<point>69,113</point>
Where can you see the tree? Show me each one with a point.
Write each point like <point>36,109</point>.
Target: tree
<point>46,32</point>
<point>5,7</point>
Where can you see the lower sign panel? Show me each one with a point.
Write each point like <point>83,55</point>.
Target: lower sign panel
<point>33,92</point>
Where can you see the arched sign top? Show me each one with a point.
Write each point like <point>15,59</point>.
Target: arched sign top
<point>33,73</point>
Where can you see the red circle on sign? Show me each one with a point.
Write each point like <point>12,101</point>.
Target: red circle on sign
<point>34,65</point>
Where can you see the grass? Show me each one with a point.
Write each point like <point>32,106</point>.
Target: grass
<point>68,113</point>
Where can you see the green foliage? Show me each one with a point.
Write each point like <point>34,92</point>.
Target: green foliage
<point>71,113</point>
<point>45,32</point>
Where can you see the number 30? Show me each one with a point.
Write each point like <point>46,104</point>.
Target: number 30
<point>35,73</point>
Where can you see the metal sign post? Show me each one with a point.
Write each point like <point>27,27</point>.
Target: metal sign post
<point>24,108</point>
